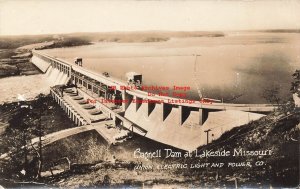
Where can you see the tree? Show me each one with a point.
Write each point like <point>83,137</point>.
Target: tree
<point>272,94</point>
<point>40,105</point>
<point>24,125</point>
<point>17,136</point>
<point>296,83</point>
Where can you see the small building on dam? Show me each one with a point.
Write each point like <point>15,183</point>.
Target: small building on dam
<point>89,98</point>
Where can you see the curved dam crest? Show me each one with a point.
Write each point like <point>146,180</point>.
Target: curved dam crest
<point>180,125</point>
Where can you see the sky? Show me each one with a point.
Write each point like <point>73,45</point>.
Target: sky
<point>18,17</point>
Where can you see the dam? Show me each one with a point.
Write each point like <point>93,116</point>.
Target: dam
<point>176,122</point>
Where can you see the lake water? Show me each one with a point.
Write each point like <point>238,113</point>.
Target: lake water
<point>238,67</point>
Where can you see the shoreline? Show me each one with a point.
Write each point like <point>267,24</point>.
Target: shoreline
<point>92,162</point>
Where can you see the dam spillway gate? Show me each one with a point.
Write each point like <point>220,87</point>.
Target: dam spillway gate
<point>181,125</point>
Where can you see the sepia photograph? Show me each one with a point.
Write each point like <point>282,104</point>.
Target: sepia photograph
<point>157,94</point>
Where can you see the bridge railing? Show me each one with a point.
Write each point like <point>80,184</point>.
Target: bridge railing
<point>110,81</point>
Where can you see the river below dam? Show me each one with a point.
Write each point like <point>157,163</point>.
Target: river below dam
<point>24,88</point>
<point>13,89</point>
<point>236,68</point>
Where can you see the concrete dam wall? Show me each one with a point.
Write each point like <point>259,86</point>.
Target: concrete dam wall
<point>190,134</point>
<point>53,76</point>
<point>40,63</point>
<point>180,125</point>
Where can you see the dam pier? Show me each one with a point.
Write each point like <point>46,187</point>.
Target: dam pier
<point>173,121</point>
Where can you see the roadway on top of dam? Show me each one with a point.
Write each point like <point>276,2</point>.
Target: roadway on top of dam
<point>111,81</point>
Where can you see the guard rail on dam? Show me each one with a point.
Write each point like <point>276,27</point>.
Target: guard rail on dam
<point>168,120</point>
